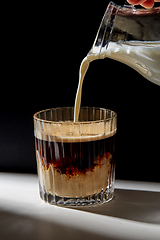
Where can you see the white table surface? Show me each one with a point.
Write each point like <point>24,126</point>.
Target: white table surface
<point>134,213</point>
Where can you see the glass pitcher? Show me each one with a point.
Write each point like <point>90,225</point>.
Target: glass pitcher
<point>131,36</point>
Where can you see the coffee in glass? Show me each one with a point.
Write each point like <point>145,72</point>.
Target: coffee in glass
<point>76,160</point>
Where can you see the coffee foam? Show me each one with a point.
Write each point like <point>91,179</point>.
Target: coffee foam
<point>74,132</point>
<point>81,138</point>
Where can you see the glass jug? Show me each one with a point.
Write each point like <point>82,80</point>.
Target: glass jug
<point>131,36</point>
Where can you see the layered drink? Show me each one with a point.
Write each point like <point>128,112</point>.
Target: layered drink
<point>76,161</point>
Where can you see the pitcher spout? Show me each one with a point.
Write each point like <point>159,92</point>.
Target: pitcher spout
<point>131,36</point>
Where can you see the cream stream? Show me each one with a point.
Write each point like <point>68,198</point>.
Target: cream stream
<point>144,57</point>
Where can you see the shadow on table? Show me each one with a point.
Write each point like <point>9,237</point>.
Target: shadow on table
<point>142,206</point>
<point>16,226</point>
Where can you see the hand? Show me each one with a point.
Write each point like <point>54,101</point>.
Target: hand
<point>144,3</point>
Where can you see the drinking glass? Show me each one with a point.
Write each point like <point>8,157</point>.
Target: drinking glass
<point>75,160</point>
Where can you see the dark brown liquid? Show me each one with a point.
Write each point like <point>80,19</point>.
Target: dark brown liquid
<point>76,157</point>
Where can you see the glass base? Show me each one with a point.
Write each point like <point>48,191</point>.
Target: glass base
<point>96,199</point>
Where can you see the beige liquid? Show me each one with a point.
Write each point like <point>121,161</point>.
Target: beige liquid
<point>83,69</point>
<point>78,185</point>
<point>144,57</point>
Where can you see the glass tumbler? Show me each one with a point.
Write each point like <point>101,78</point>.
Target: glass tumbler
<point>75,160</point>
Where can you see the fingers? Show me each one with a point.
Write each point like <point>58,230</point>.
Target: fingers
<point>135,2</point>
<point>144,3</point>
<point>148,4</point>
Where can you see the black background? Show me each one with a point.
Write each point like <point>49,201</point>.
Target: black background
<point>43,46</point>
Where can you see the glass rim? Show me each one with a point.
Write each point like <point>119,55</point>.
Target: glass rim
<point>79,122</point>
